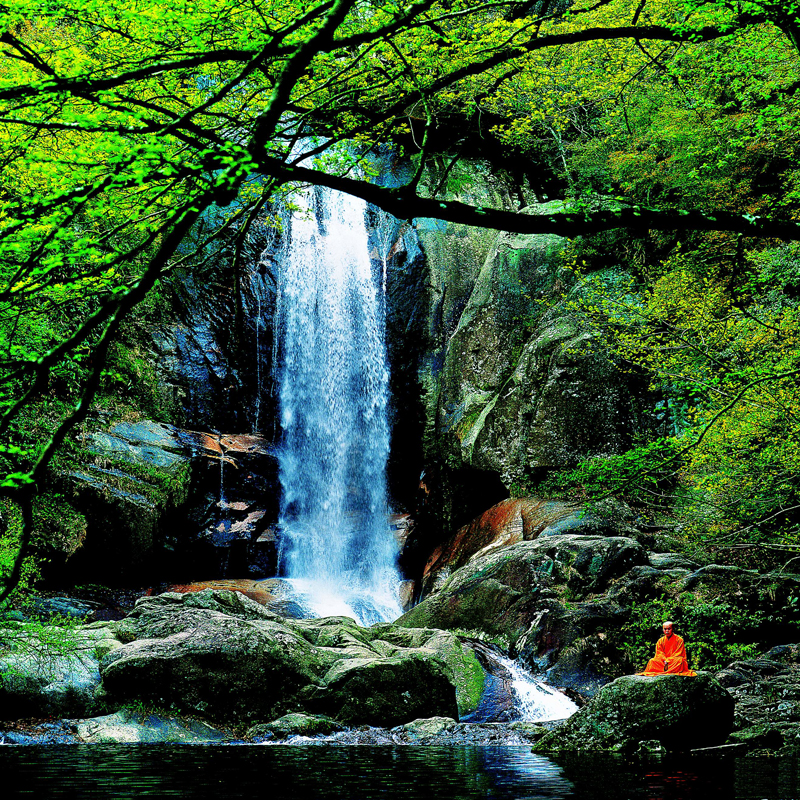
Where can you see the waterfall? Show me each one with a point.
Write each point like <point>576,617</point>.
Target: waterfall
<point>535,700</point>
<point>333,390</point>
<point>512,693</point>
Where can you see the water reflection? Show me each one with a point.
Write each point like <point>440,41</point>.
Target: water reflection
<point>363,773</point>
<point>345,773</point>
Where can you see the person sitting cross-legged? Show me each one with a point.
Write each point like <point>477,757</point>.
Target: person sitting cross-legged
<point>670,658</point>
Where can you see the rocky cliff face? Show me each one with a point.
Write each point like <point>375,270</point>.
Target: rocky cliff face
<point>493,378</point>
<point>495,374</point>
<point>214,353</point>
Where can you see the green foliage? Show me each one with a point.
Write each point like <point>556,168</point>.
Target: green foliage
<point>136,137</point>
<point>724,357</point>
<point>634,473</point>
<point>37,648</point>
<point>715,629</point>
<point>10,535</point>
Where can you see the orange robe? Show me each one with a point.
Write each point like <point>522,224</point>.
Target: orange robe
<point>673,651</point>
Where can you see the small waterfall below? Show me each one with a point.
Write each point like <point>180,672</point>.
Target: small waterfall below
<point>511,693</point>
<point>535,700</point>
<point>339,553</point>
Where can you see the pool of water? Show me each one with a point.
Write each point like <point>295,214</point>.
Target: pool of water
<point>277,772</point>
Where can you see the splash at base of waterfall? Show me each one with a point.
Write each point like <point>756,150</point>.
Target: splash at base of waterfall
<point>337,551</point>
<point>320,599</point>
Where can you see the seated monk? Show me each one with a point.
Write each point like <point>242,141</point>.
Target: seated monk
<point>670,655</point>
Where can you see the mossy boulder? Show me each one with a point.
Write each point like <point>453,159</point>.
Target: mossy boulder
<point>421,730</point>
<point>383,691</point>
<point>502,591</point>
<point>682,713</point>
<point>464,668</point>
<point>295,724</point>
<point>222,655</point>
<point>50,670</point>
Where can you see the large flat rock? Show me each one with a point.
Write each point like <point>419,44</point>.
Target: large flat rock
<point>225,656</point>
<point>682,713</point>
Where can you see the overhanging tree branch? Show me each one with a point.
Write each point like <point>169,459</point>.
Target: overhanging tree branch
<point>407,205</point>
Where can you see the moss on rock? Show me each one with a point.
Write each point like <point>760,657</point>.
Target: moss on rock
<point>681,713</point>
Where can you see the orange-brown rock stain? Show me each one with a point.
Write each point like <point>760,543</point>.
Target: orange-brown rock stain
<point>510,521</point>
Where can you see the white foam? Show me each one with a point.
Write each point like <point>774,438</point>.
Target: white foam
<point>333,379</point>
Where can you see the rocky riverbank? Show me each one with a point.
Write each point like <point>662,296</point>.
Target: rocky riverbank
<point>577,598</point>
<point>215,666</point>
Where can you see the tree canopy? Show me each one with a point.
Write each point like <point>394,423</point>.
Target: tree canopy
<point>123,122</point>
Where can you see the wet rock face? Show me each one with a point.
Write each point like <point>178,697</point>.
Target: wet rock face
<point>678,712</point>
<point>504,590</point>
<point>523,384</point>
<point>767,694</point>
<point>524,519</point>
<point>207,356</point>
<point>129,485</point>
<point>491,372</point>
<point>225,656</point>
<point>506,523</point>
<point>151,495</point>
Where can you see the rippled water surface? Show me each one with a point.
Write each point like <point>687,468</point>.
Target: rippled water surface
<point>123,771</point>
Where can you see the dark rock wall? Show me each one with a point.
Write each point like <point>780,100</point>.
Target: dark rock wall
<point>496,379</point>
<point>216,353</point>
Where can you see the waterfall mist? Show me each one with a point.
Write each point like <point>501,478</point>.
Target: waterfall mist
<point>333,390</point>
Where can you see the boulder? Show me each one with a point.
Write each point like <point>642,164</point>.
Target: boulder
<point>127,482</point>
<point>423,730</point>
<point>383,691</point>
<point>767,694</point>
<point>51,671</point>
<point>294,725</point>
<point>506,523</point>
<point>273,593</point>
<point>137,727</point>
<point>465,669</point>
<point>151,499</point>
<point>502,591</point>
<point>222,655</point>
<point>680,713</point>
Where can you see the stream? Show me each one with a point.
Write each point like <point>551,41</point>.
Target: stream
<point>363,773</point>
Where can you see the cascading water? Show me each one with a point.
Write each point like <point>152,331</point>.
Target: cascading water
<point>535,700</point>
<point>333,389</point>
<point>512,693</point>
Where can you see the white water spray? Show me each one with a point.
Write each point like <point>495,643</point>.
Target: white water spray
<point>222,502</point>
<point>536,701</point>
<point>340,553</point>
